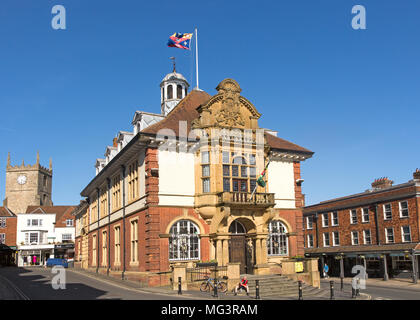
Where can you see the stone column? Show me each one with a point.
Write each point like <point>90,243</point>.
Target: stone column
<point>225,251</point>
<point>219,252</point>
<point>386,278</point>
<point>342,267</point>
<point>233,274</point>
<point>414,266</point>
<point>264,251</point>
<point>258,259</point>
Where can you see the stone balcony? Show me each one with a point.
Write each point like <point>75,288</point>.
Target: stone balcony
<point>244,199</point>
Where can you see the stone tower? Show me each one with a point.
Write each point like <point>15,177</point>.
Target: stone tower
<point>27,185</point>
<point>174,88</point>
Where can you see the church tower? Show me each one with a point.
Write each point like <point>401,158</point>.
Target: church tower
<point>173,88</point>
<point>27,185</point>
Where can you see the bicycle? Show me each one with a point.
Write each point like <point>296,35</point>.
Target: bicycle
<point>205,286</point>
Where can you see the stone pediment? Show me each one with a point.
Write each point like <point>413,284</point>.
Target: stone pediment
<point>228,109</point>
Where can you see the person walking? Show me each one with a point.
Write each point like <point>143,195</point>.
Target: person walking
<point>326,271</point>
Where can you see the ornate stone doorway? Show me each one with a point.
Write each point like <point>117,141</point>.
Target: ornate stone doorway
<point>240,249</point>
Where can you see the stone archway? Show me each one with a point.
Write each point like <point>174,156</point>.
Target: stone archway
<point>241,248</point>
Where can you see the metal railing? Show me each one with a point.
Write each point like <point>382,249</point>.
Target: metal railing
<point>201,273</point>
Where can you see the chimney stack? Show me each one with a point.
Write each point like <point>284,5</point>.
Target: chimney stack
<point>382,183</point>
<point>114,142</point>
<point>416,174</point>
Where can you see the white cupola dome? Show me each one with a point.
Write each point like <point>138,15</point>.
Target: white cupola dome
<point>173,88</point>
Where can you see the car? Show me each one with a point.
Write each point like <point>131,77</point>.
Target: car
<point>51,262</point>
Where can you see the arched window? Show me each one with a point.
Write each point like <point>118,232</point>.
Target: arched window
<point>169,92</point>
<point>179,91</point>
<point>184,243</point>
<point>277,243</point>
<point>236,228</point>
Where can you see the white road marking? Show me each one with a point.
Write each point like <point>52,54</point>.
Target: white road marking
<point>14,287</point>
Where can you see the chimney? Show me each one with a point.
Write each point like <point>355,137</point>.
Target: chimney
<point>382,183</point>
<point>416,174</point>
<point>114,142</point>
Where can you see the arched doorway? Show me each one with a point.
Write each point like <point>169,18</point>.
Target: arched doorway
<point>239,249</point>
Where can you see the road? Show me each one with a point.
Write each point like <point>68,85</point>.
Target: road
<point>378,292</point>
<point>35,284</point>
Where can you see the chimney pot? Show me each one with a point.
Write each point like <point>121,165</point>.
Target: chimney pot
<point>382,183</point>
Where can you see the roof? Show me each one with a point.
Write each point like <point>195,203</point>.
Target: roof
<point>185,110</point>
<point>5,212</point>
<point>58,210</point>
<point>174,75</point>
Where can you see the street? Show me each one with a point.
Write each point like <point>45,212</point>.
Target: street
<point>35,284</point>
<point>378,291</point>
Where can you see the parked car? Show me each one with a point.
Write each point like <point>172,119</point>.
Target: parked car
<point>51,262</point>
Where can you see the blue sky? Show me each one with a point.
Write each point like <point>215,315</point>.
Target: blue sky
<point>350,96</point>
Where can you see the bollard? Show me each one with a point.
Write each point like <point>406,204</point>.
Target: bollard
<point>300,290</point>
<point>332,290</point>
<point>342,283</point>
<point>257,289</point>
<point>215,288</point>
<point>358,287</point>
<point>179,286</point>
<point>353,292</point>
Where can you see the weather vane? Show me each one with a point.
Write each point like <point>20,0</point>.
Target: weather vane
<point>173,61</point>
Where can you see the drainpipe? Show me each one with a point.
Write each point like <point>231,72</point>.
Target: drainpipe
<point>109,226</point>
<point>97,240</point>
<point>316,229</point>
<point>123,204</point>
<point>378,241</point>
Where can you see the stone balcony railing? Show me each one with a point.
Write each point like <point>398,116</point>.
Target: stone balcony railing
<point>245,199</point>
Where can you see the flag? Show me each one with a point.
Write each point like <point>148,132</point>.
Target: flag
<point>180,40</point>
<point>260,179</point>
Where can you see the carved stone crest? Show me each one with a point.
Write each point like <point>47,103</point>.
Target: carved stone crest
<point>229,114</point>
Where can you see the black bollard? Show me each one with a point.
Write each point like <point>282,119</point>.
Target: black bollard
<point>257,289</point>
<point>179,285</point>
<point>215,288</point>
<point>300,290</point>
<point>342,283</point>
<point>332,290</point>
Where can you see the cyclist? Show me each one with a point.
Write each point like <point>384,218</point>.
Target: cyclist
<point>243,284</point>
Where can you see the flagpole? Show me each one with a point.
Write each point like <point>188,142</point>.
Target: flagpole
<point>196,56</point>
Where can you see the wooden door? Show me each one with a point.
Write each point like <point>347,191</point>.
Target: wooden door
<point>237,251</point>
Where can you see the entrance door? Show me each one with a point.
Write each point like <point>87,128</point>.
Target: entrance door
<point>237,251</point>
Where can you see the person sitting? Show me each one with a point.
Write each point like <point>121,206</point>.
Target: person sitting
<point>243,284</point>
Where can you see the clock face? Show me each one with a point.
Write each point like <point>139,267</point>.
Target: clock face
<point>21,179</point>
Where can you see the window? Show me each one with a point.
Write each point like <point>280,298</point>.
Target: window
<point>35,222</point>
<point>367,237</point>
<point>226,184</point>
<point>103,208</point>
<point>239,172</point>
<point>334,218</point>
<point>134,241</point>
<point>2,222</point>
<point>355,238</point>
<point>104,251</point>
<point>28,222</point>
<point>309,222</point>
<point>69,223</point>
<point>45,181</point>
<point>403,209</point>
<point>365,215</point>
<point>94,250</point>
<point>33,238</point>
<point>66,237</point>
<point>326,239</point>
<point>116,192</point>
<point>353,216</point>
<point>117,256</point>
<point>387,212</point>
<point>389,233</point>
<point>184,243</point>
<point>310,241</point>
<point>336,238</point>
<point>406,233</point>
<point>277,239</point>
<point>206,185</point>
<point>133,181</point>
<point>169,92</point>
<point>179,91</point>
<point>2,238</point>
<point>325,219</point>
<point>205,171</point>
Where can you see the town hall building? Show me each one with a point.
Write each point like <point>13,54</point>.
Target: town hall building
<point>184,187</point>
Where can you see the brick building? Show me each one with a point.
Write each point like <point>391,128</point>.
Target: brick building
<point>179,190</point>
<point>8,222</point>
<point>378,229</point>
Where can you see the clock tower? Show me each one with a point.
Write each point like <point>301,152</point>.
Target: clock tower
<point>27,185</point>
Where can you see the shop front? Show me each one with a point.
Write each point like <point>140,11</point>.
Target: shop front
<point>34,256</point>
